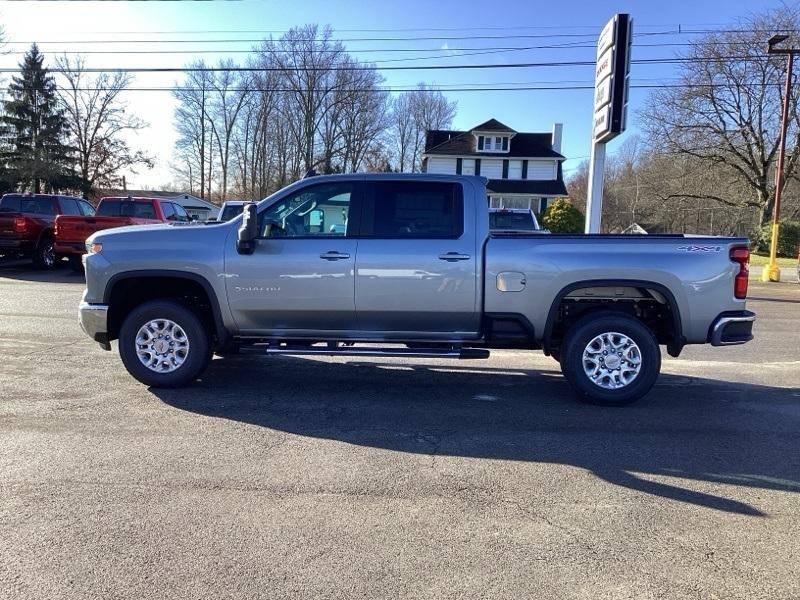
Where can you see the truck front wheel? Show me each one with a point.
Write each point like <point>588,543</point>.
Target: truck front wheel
<point>164,344</point>
<point>610,358</point>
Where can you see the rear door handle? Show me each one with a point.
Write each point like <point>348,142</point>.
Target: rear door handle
<point>454,256</point>
<point>333,255</point>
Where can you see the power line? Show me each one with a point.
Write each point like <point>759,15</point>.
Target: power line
<point>385,89</point>
<point>376,50</point>
<point>401,39</point>
<point>367,67</point>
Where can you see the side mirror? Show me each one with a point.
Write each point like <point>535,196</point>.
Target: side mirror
<point>246,240</point>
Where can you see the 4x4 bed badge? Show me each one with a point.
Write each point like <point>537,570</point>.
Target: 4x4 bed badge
<point>700,248</point>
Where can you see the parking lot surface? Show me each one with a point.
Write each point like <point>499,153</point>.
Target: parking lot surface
<point>339,478</point>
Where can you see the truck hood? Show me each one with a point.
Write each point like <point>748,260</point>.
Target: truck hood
<point>153,232</point>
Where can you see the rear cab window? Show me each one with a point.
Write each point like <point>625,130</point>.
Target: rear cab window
<point>36,205</point>
<point>413,209</point>
<point>512,221</point>
<point>126,208</point>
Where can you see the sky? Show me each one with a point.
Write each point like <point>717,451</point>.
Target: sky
<point>451,33</point>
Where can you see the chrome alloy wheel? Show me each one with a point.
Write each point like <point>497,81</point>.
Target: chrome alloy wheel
<point>612,360</point>
<point>162,345</point>
<point>49,255</point>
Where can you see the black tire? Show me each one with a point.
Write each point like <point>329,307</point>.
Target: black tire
<point>75,263</point>
<point>44,257</point>
<point>585,331</point>
<point>196,358</point>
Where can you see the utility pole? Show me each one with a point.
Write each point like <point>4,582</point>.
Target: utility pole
<point>772,272</point>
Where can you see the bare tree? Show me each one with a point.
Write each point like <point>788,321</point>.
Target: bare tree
<point>415,113</point>
<point>725,114</point>
<point>229,93</point>
<point>98,123</point>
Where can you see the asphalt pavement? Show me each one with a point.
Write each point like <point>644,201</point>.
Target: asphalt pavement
<point>343,478</point>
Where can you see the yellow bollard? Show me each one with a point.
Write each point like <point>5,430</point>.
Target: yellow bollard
<point>772,272</point>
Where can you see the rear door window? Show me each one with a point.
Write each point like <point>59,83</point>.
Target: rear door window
<point>414,209</point>
<point>87,210</point>
<point>69,206</point>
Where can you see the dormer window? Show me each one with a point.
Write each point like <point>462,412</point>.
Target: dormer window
<point>493,143</point>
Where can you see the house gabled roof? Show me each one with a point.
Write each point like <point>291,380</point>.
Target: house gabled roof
<point>529,145</point>
<point>493,125</point>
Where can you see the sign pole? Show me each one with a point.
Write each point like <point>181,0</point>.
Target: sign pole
<point>594,201</point>
<point>609,108</point>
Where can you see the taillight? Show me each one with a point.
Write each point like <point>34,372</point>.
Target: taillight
<point>741,255</point>
<point>20,224</point>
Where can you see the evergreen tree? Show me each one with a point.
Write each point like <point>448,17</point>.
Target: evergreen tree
<point>34,127</point>
<point>562,217</point>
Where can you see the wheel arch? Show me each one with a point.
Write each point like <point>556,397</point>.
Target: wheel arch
<point>170,283</point>
<point>674,345</point>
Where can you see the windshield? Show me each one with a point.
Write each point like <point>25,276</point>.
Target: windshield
<point>513,221</point>
<point>36,205</point>
<point>231,211</point>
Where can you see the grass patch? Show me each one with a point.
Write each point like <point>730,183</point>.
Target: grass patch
<point>761,260</point>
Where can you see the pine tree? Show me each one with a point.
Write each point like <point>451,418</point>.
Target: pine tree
<point>35,128</point>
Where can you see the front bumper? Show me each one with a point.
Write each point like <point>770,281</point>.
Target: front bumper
<point>732,328</point>
<point>94,322</point>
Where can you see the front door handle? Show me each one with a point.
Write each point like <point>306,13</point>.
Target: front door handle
<point>454,256</point>
<point>333,255</point>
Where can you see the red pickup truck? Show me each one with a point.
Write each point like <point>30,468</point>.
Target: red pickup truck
<point>71,232</point>
<point>27,222</point>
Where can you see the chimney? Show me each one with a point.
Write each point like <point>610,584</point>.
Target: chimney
<point>557,130</point>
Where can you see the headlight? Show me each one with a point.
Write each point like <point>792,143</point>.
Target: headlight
<point>94,248</point>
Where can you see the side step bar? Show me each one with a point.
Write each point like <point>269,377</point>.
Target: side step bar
<point>461,353</point>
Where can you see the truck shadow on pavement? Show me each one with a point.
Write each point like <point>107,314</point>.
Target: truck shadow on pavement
<point>687,428</point>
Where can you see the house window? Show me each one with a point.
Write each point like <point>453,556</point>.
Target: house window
<point>468,166</point>
<point>515,169</point>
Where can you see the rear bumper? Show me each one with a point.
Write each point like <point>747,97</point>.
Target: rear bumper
<point>731,328</point>
<point>69,247</point>
<point>15,245</point>
<point>94,322</point>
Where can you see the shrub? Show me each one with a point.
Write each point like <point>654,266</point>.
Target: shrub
<point>562,217</point>
<point>788,239</point>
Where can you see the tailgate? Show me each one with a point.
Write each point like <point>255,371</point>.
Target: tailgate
<point>77,229</point>
<point>7,223</point>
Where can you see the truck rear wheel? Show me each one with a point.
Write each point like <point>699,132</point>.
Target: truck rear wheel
<point>610,358</point>
<point>44,256</point>
<point>164,344</point>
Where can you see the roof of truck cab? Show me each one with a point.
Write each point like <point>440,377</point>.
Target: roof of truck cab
<point>134,199</point>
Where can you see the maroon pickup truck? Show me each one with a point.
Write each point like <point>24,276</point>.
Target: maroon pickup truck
<point>27,224</point>
<point>71,232</point>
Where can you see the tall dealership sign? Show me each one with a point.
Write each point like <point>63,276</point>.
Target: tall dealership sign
<point>610,106</point>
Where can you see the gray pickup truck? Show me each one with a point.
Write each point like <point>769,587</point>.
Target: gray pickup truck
<point>405,265</point>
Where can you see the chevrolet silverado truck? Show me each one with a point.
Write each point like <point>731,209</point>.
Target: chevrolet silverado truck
<point>405,265</point>
<point>27,225</point>
<point>71,231</point>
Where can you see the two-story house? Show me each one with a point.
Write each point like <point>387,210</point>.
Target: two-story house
<point>523,169</point>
